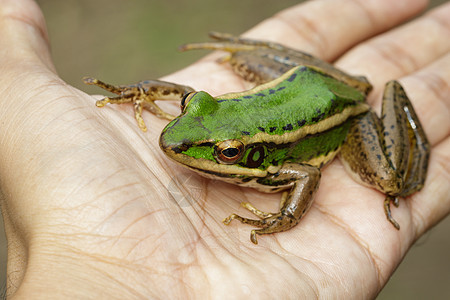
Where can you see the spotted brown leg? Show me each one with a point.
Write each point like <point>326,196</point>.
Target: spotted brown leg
<point>390,154</point>
<point>261,61</point>
<point>294,206</point>
<point>142,95</point>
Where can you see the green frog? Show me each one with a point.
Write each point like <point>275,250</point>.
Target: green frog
<point>278,135</point>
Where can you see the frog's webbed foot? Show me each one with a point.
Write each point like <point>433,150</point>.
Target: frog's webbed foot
<point>142,95</point>
<point>268,222</point>
<point>387,210</point>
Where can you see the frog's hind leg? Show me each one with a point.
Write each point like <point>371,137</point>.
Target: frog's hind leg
<point>390,154</point>
<point>419,153</point>
<point>261,61</point>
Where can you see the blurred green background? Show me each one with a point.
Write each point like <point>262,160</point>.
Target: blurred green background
<point>127,41</point>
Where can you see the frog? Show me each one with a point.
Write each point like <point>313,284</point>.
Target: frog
<point>278,135</point>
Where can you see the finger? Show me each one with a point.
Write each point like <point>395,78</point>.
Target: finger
<point>328,28</point>
<point>429,91</point>
<point>432,203</point>
<point>23,34</point>
<point>401,51</point>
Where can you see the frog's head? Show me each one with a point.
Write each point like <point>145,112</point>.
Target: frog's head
<point>205,139</point>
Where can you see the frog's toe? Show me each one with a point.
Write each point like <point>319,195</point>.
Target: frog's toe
<point>393,222</point>
<point>228,219</point>
<point>259,213</point>
<point>257,223</point>
<point>102,102</point>
<point>396,202</point>
<point>89,80</point>
<point>253,237</point>
<point>141,124</point>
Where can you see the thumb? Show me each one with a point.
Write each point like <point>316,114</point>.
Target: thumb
<point>23,36</point>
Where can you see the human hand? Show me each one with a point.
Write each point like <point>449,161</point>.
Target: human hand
<point>92,205</point>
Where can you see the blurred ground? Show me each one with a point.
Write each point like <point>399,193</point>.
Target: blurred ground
<point>127,41</point>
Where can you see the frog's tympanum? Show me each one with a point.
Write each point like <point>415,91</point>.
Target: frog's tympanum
<point>278,135</point>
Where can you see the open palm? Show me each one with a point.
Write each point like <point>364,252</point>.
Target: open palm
<point>92,201</point>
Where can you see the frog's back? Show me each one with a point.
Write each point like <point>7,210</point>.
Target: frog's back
<point>301,98</point>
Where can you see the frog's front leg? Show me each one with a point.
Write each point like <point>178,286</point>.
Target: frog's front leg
<point>142,95</point>
<point>390,154</point>
<point>293,205</point>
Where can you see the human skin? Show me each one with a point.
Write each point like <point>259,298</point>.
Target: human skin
<point>86,205</point>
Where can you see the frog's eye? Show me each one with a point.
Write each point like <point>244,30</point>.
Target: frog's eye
<point>186,99</point>
<point>229,151</point>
